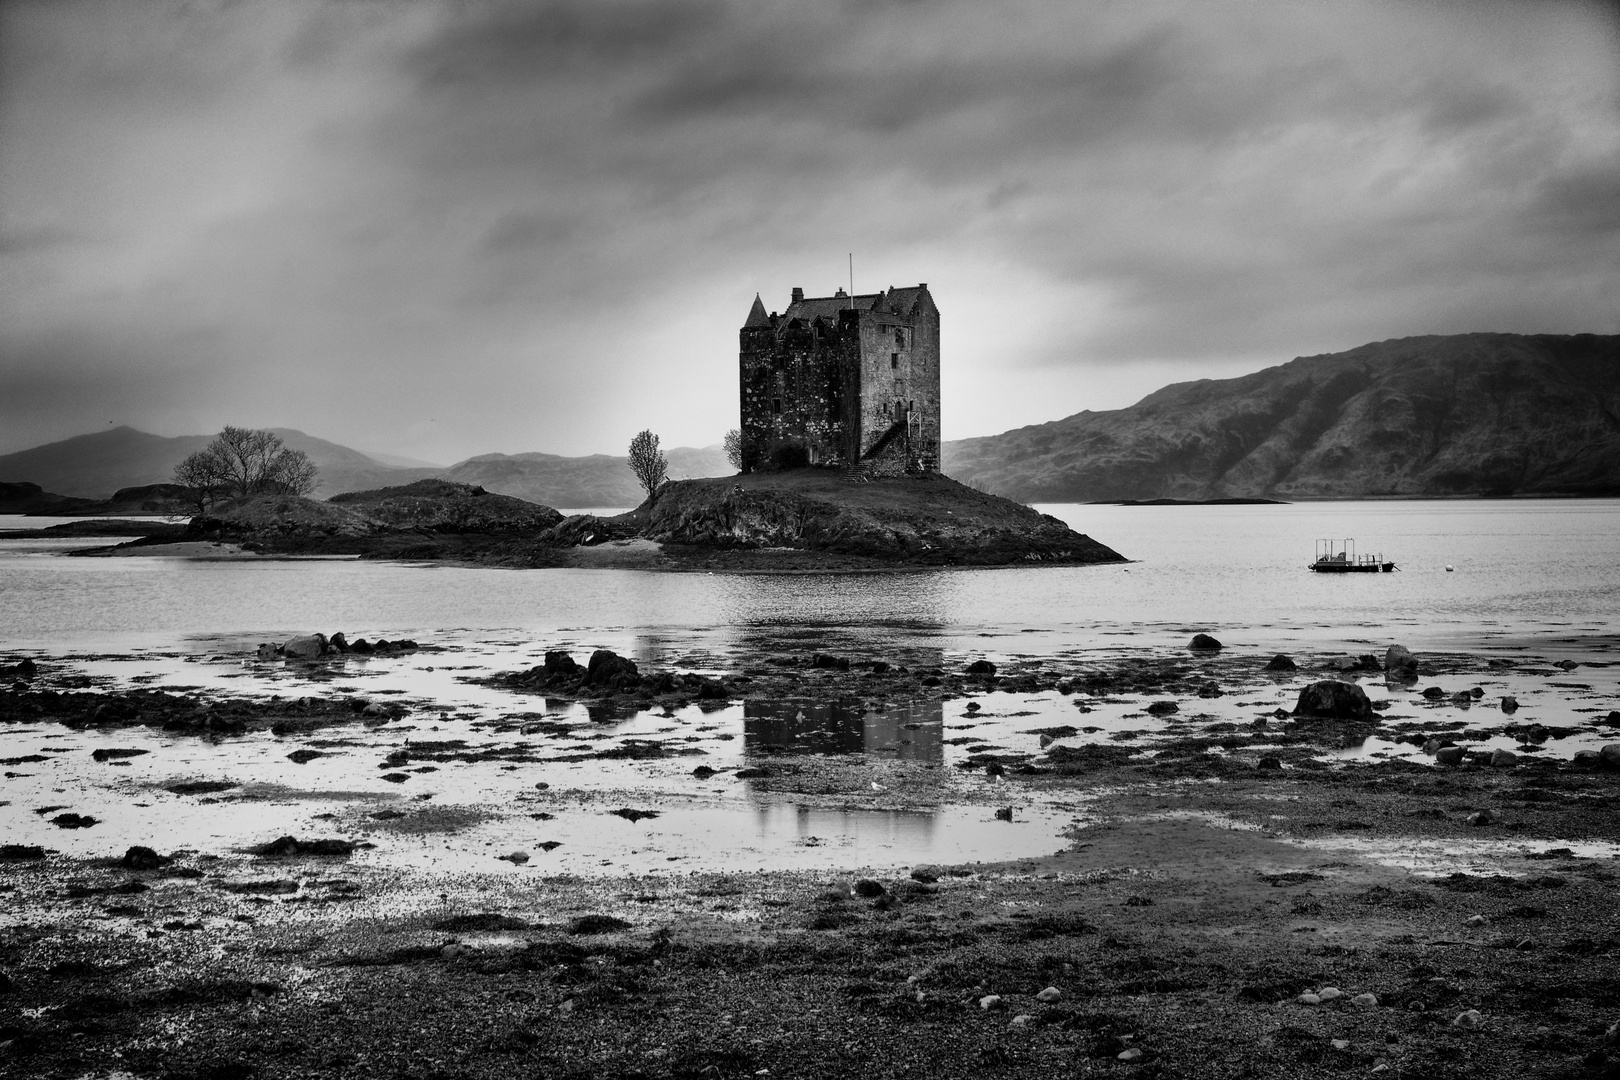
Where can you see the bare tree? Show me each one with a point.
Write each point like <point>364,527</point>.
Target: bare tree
<point>733,445</point>
<point>203,476</point>
<point>242,462</point>
<point>647,462</point>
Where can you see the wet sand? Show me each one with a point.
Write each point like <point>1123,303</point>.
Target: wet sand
<point>1204,870</point>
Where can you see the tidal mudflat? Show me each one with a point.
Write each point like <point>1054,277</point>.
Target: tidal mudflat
<point>807,860</point>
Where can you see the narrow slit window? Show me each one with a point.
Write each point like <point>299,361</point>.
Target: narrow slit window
<point>899,337</point>
<point>894,361</point>
<point>776,405</point>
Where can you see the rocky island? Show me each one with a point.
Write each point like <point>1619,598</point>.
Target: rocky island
<point>796,520</point>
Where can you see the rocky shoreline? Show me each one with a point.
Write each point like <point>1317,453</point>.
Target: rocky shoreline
<point>1227,906</point>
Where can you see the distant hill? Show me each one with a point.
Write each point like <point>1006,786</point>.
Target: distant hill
<point>95,466</point>
<point>1467,414</point>
<point>596,481</point>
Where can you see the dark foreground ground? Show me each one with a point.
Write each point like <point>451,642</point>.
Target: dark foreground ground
<point>1180,929</point>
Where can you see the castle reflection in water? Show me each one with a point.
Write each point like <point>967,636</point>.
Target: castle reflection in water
<point>911,732</point>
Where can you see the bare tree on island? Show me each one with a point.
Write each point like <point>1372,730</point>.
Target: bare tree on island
<point>242,462</point>
<point>647,462</point>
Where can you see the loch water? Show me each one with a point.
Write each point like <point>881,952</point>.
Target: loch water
<point>1512,577</point>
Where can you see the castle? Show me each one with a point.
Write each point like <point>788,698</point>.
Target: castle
<point>842,380</point>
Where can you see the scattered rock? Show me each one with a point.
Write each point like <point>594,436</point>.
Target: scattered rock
<point>1482,817</point>
<point>1609,756</point>
<point>140,857</point>
<point>1367,1000</point>
<point>1163,708</point>
<point>1128,1056</point>
<point>1400,663</point>
<point>301,756</point>
<point>1469,1019</point>
<point>703,772</point>
<point>516,858</point>
<point>752,772</point>
<point>1450,755</point>
<point>597,924</point>
<point>1567,665</point>
<point>1510,704</point>
<point>114,753</point>
<point>1330,993</point>
<point>925,874</point>
<point>869,889</point>
<point>1477,922</point>
<point>981,667</point>
<point>1504,759</point>
<point>1204,641</point>
<point>1050,996</point>
<point>338,642</point>
<point>1282,662</point>
<point>992,1003</point>
<point>1004,813</point>
<point>73,821</point>
<point>1308,999</point>
<point>829,662</point>
<point>1433,693</point>
<point>633,815</point>
<point>1269,762</point>
<point>1335,700</point>
<point>1021,1020</point>
<point>304,647</point>
<point>610,671</point>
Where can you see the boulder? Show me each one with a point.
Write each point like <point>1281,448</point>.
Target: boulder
<point>1609,756</point>
<point>981,667</point>
<point>362,646</point>
<point>926,874</point>
<point>1510,704</point>
<point>304,647</point>
<point>139,857</point>
<point>1204,642</point>
<point>1334,700</point>
<point>338,642</point>
<point>610,671</point>
<point>1163,708</point>
<point>267,651</point>
<point>1269,762</point>
<point>1399,662</point>
<point>830,662</point>
<point>1613,719</point>
<point>1282,662</point>
<point>1450,755</point>
<point>1433,693</point>
<point>1504,759</point>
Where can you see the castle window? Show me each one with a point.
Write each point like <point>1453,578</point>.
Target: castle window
<point>899,337</point>
<point>894,361</point>
<point>776,405</point>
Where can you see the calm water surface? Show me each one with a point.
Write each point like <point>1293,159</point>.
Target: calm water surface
<point>1519,567</point>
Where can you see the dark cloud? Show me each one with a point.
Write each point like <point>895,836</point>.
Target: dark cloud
<point>441,227</point>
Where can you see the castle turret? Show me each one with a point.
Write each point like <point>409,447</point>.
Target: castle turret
<point>756,315</point>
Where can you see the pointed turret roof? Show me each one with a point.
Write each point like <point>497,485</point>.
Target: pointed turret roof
<point>756,315</point>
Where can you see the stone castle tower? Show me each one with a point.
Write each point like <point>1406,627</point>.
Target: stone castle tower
<point>842,380</point>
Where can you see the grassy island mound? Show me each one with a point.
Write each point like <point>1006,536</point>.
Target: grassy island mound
<point>926,520</point>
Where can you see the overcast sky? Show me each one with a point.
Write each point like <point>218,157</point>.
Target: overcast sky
<point>445,227</point>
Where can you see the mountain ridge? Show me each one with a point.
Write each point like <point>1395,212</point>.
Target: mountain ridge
<point>1464,414</point>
